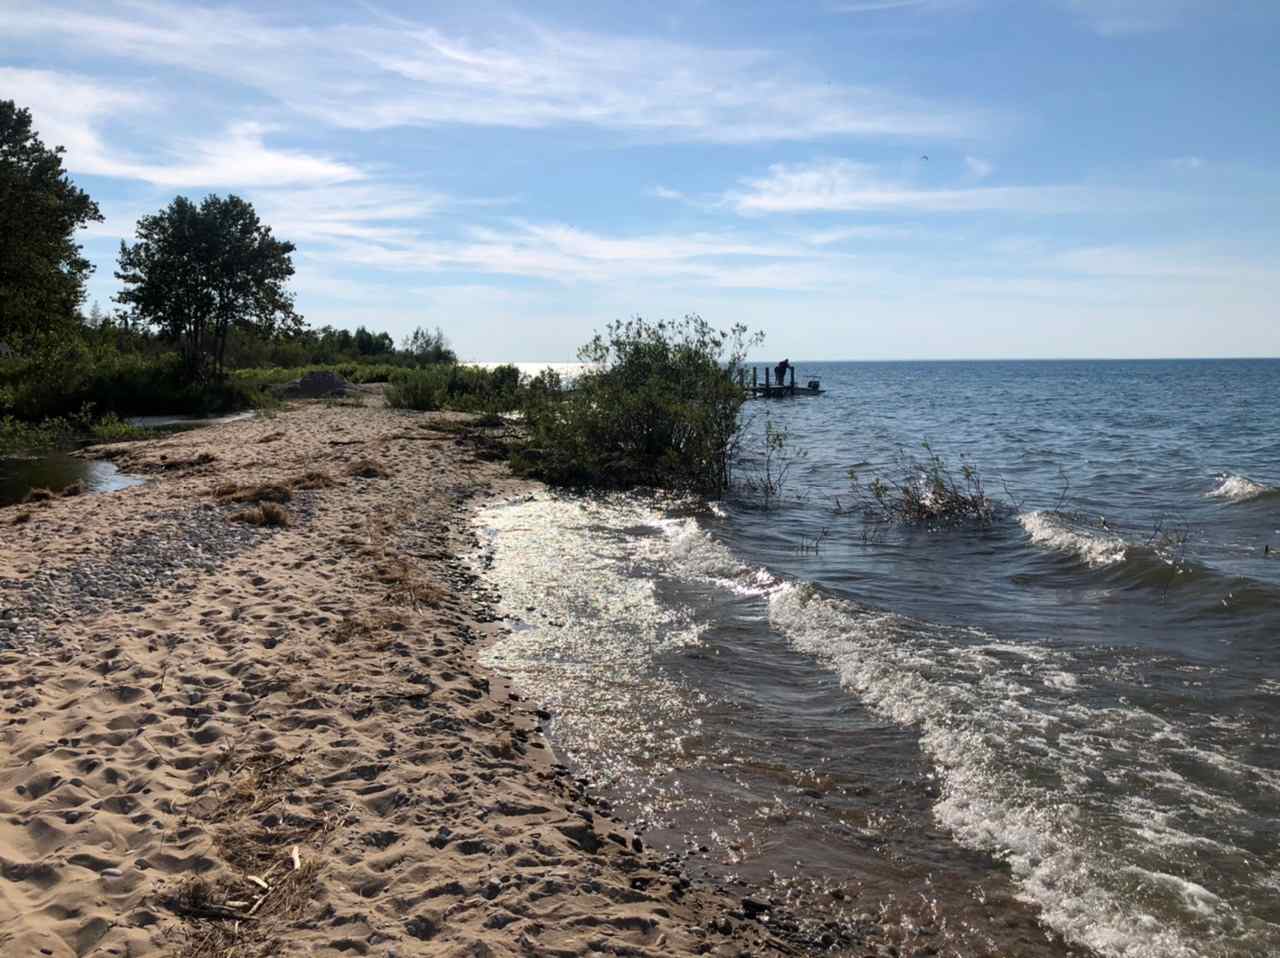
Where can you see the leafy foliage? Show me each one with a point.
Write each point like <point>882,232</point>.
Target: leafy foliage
<point>352,372</point>
<point>42,271</point>
<point>929,492</point>
<point>659,407</point>
<point>464,388</point>
<point>17,435</point>
<point>198,271</point>
<point>429,347</point>
<point>767,473</point>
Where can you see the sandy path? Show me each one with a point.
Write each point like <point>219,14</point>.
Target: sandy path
<point>217,738</point>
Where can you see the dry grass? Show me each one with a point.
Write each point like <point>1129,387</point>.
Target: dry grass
<point>256,492</point>
<point>313,479</point>
<point>21,518</point>
<point>280,492</point>
<point>263,514</point>
<point>405,584</point>
<point>203,459</point>
<point>366,468</point>
<point>277,862</point>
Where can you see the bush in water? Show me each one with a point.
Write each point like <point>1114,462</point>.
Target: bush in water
<point>659,407</point>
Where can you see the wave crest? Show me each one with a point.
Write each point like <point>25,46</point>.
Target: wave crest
<point>1239,489</point>
<point>1095,546</point>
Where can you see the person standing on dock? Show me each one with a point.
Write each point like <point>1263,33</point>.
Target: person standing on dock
<point>780,371</point>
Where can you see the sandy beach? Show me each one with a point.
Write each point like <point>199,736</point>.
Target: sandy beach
<point>229,738</point>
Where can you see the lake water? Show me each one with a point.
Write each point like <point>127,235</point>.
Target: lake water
<point>56,471</point>
<point>1053,733</point>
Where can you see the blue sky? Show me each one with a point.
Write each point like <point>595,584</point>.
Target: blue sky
<point>1101,175</point>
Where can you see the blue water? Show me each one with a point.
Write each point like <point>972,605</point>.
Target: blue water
<point>1059,729</point>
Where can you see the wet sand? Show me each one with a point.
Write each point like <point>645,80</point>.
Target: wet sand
<point>224,738</point>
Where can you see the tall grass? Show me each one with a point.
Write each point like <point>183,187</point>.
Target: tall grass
<point>352,372</point>
<point>463,388</point>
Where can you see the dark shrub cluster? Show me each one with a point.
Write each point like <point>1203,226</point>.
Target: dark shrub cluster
<point>450,386</point>
<point>658,407</point>
<point>926,492</point>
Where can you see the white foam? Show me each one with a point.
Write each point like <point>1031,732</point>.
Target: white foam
<point>980,731</point>
<point>1237,489</point>
<point>1096,547</point>
<point>698,555</point>
<point>1019,748</point>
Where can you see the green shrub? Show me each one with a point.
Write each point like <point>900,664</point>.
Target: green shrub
<point>660,407</point>
<point>929,492</point>
<point>352,372</point>
<point>463,388</point>
<point>63,378</point>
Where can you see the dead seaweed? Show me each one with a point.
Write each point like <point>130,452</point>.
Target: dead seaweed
<point>263,514</point>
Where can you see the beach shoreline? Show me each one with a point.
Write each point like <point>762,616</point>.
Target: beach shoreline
<point>231,738</point>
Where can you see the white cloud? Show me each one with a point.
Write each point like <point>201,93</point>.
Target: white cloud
<point>237,157</point>
<point>66,108</point>
<point>563,254</point>
<point>1112,18</point>
<point>1187,163</point>
<point>978,167</point>
<point>846,186</point>
<point>665,193</point>
<point>70,110</point>
<point>381,73</point>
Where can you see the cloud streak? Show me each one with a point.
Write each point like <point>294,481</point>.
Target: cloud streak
<point>1114,18</point>
<point>71,110</point>
<point>380,73</point>
<point>845,186</point>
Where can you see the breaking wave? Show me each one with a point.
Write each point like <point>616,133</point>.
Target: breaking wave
<point>1024,753</point>
<point>1240,489</point>
<point>1096,547</point>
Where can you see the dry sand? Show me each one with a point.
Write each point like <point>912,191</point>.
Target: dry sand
<point>219,738</point>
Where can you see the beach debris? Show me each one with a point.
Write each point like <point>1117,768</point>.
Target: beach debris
<point>263,514</point>
<point>366,468</point>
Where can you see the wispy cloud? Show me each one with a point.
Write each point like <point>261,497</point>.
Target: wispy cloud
<point>1170,263</point>
<point>879,6</point>
<point>378,73</point>
<point>67,108</point>
<point>666,193</point>
<point>567,255</point>
<point>1112,18</point>
<point>71,111</point>
<point>845,186</point>
<point>979,167</point>
<point>873,6</point>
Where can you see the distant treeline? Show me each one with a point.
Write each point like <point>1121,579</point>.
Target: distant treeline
<point>204,294</point>
<point>205,322</point>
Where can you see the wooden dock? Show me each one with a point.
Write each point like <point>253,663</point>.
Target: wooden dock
<point>777,389</point>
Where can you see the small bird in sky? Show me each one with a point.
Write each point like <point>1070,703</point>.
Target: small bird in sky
<point>924,157</point>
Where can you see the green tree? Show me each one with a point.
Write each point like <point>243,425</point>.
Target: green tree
<point>429,347</point>
<point>198,271</point>
<point>42,271</point>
